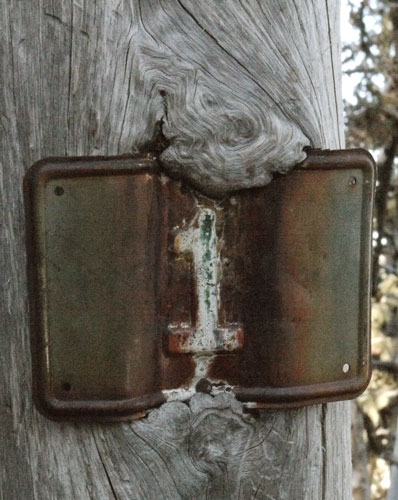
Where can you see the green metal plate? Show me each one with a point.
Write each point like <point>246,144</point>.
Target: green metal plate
<point>116,307</point>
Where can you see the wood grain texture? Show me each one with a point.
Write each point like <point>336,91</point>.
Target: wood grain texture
<point>237,88</point>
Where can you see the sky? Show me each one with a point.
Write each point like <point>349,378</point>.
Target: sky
<point>348,34</point>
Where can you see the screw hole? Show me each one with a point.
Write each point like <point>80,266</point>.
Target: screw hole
<point>346,367</point>
<point>59,191</point>
<point>66,387</point>
<point>353,181</point>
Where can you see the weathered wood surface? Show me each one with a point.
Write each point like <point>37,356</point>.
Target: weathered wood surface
<point>360,474</point>
<point>237,88</point>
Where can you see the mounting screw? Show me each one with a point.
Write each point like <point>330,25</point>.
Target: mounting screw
<point>353,181</point>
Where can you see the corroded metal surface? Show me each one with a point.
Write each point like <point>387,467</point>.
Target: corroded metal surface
<point>142,290</point>
<point>199,241</point>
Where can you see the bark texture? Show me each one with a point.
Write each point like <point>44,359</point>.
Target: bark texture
<point>230,91</point>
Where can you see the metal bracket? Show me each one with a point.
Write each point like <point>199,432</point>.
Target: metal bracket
<point>142,290</point>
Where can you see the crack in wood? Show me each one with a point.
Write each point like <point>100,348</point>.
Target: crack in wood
<point>104,466</point>
<point>323,451</point>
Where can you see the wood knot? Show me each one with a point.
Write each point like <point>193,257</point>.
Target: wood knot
<point>217,437</point>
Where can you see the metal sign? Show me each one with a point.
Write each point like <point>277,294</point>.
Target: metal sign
<point>142,290</point>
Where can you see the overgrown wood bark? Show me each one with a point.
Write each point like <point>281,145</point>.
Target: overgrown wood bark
<point>232,91</point>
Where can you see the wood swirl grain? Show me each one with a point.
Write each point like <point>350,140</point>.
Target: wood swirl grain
<point>236,93</point>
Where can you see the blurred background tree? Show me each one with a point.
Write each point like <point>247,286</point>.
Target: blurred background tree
<point>370,66</point>
<point>372,114</point>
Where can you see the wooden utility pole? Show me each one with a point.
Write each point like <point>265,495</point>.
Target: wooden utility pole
<point>230,91</point>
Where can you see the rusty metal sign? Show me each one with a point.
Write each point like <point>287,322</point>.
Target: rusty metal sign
<point>142,290</point>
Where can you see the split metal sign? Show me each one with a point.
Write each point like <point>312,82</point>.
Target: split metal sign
<point>143,290</point>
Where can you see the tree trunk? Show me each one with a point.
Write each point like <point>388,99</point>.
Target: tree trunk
<point>230,92</point>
